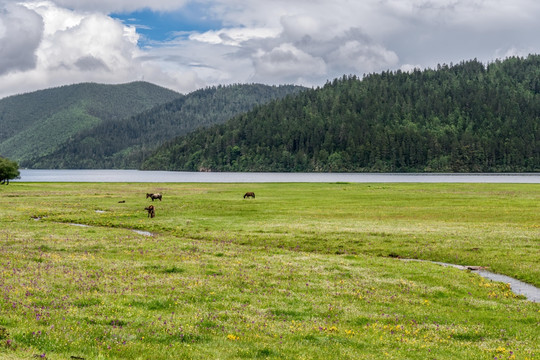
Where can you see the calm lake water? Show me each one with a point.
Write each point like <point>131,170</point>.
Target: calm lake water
<point>28,175</point>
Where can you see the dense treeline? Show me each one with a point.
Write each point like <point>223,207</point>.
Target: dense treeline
<point>125,143</point>
<point>467,117</point>
<point>36,123</point>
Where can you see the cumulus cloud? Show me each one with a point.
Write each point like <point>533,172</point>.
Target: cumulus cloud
<point>108,6</point>
<point>233,36</point>
<point>342,37</point>
<point>44,45</point>
<point>286,62</point>
<point>91,63</point>
<point>355,56</point>
<point>53,42</point>
<point>296,27</point>
<point>297,48</point>
<point>20,35</point>
<point>299,55</point>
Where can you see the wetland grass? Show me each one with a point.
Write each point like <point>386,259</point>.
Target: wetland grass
<point>304,271</point>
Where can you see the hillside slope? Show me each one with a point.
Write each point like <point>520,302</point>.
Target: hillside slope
<point>37,123</point>
<point>124,143</point>
<point>468,117</point>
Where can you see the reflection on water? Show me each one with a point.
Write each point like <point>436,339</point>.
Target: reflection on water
<point>29,175</point>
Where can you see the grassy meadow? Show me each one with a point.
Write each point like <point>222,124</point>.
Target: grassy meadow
<point>303,271</point>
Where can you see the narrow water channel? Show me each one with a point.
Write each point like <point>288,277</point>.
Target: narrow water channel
<point>531,292</point>
<point>519,287</point>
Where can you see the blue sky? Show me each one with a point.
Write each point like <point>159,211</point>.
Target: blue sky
<point>185,45</point>
<point>157,27</point>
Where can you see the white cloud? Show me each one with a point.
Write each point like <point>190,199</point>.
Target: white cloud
<point>291,44</point>
<point>356,56</point>
<point>109,6</point>
<point>70,37</point>
<point>71,47</point>
<point>49,43</point>
<point>409,67</point>
<point>296,27</point>
<point>54,17</point>
<point>287,62</point>
<point>233,36</point>
<point>20,35</point>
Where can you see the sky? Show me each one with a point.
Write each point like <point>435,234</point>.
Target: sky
<point>186,45</point>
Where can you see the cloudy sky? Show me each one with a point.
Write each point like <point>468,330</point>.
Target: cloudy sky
<point>188,44</point>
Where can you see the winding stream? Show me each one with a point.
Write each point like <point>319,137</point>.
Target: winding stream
<point>518,287</point>
<point>531,292</point>
<point>140,232</point>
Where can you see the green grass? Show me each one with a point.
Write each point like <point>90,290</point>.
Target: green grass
<point>304,271</point>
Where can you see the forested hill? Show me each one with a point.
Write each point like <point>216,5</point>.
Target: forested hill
<point>125,142</point>
<point>468,117</point>
<point>37,123</point>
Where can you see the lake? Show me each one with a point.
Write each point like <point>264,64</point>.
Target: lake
<point>31,175</point>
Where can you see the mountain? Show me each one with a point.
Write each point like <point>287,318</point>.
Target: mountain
<point>125,142</point>
<point>467,117</point>
<point>38,123</point>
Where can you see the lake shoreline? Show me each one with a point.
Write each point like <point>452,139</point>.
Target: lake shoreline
<point>144,176</point>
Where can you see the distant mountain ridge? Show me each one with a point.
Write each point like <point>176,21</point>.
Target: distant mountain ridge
<point>467,117</point>
<point>37,123</point>
<point>125,142</point>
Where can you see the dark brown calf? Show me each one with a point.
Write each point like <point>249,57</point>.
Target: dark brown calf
<point>151,211</point>
<point>249,194</point>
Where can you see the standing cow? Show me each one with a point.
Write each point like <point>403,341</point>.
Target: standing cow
<point>154,196</point>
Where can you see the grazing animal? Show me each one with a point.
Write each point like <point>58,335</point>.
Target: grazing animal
<point>154,196</point>
<point>249,194</point>
<point>151,211</point>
